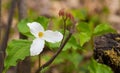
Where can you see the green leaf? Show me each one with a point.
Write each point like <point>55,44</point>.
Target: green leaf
<point>75,58</point>
<point>83,27</point>
<point>72,43</point>
<point>24,29</point>
<point>22,26</point>
<point>43,21</point>
<point>95,67</point>
<point>102,29</point>
<point>80,14</point>
<point>94,19</point>
<point>16,50</point>
<point>84,37</point>
<point>53,45</point>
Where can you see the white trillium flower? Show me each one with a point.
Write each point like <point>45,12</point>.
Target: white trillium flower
<point>41,36</point>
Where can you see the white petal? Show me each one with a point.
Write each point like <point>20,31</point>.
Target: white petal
<point>35,28</point>
<point>37,47</point>
<point>52,37</point>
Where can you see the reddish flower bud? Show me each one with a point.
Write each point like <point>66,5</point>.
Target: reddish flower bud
<point>61,12</point>
<point>70,16</point>
<point>66,14</point>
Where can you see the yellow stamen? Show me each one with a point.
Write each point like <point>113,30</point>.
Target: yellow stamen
<point>40,34</point>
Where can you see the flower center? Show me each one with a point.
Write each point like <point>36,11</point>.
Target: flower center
<point>40,34</point>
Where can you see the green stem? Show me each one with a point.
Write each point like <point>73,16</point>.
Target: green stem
<point>64,24</point>
<point>39,57</point>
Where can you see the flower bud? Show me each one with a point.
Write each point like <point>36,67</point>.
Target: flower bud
<point>70,16</point>
<point>61,12</point>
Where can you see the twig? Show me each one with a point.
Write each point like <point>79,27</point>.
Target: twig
<point>1,52</point>
<point>0,23</point>
<point>1,61</point>
<point>22,8</point>
<point>56,54</point>
<point>10,18</point>
<point>39,60</point>
<point>6,35</point>
<point>23,66</point>
<point>22,12</point>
